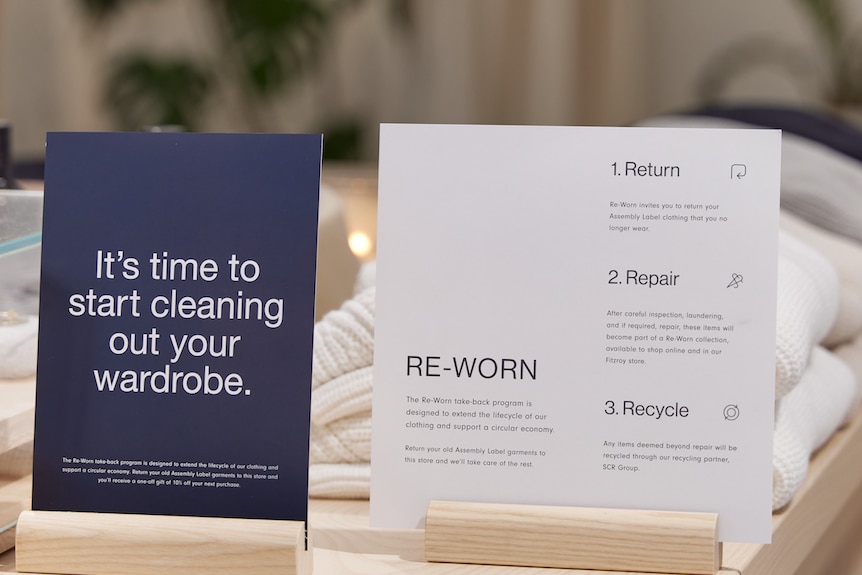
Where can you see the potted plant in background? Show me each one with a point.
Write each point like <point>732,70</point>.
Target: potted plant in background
<point>263,49</point>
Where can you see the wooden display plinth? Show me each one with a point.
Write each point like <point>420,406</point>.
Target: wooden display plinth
<point>572,537</point>
<point>119,544</point>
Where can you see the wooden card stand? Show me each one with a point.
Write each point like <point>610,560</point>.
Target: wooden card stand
<point>572,537</point>
<point>118,544</point>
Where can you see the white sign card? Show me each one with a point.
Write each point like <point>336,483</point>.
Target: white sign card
<point>576,316</point>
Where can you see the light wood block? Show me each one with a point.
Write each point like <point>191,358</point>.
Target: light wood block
<point>17,462</point>
<point>572,537</point>
<point>17,412</point>
<point>14,498</point>
<point>120,544</point>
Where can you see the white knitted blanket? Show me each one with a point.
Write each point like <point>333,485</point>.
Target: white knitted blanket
<point>845,255</point>
<point>341,396</point>
<point>814,307</point>
<point>806,417</point>
<point>807,304</point>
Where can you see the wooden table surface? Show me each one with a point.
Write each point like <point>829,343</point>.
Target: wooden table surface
<point>819,532</point>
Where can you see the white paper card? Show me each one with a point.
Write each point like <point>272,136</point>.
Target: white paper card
<point>576,316</point>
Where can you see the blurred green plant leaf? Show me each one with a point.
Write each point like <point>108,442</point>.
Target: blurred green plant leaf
<point>342,139</point>
<point>148,91</point>
<point>827,18</point>
<point>403,14</point>
<point>263,47</point>
<point>273,41</point>
<point>100,11</point>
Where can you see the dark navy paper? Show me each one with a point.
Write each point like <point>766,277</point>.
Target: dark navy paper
<point>176,320</point>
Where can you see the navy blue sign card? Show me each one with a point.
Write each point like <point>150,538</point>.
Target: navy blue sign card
<point>176,322</point>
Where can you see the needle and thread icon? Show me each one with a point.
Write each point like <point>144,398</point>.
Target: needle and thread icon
<point>735,281</point>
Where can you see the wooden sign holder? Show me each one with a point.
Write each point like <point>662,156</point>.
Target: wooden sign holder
<point>572,537</point>
<point>121,544</point>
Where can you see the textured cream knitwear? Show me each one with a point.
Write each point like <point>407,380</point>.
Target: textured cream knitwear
<point>341,396</point>
<point>845,255</point>
<point>807,306</point>
<point>806,417</point>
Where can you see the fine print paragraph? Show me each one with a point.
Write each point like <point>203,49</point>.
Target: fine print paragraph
<point>620,456</point>
<point>634,336</point>
<point>641,217</point>
<point>190,474</point>
<point>487,424</point>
